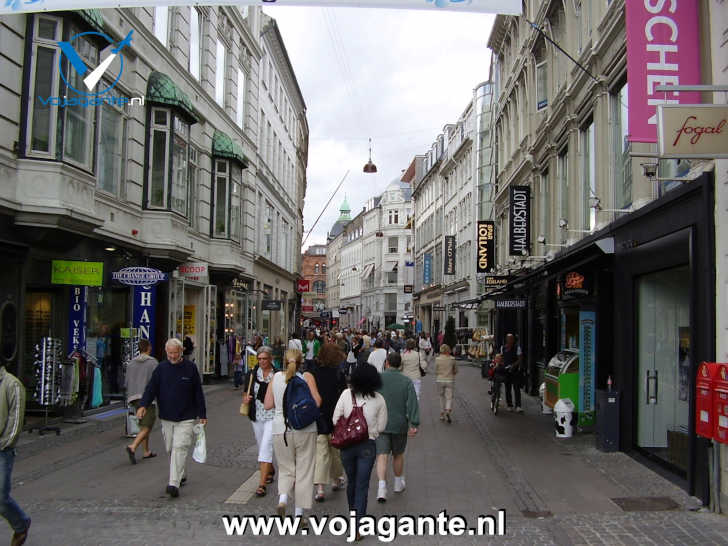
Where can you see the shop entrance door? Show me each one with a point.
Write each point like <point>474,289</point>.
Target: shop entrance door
<point>663,355</point>
<point>192,312</point>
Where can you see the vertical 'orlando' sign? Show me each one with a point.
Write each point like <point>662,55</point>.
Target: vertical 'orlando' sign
<point>663,48</point>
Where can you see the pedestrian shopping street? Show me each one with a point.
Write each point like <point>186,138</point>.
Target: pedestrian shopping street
<point>79,487</point>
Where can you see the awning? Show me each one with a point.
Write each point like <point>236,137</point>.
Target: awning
<point>390,266</point>
<point>161,89</point>
<point>468,304</point>
<point>93,17</point>
<point>223,146</point>
<point>368,269</point>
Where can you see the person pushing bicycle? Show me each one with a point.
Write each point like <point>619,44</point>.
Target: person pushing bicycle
<point>499,375</point>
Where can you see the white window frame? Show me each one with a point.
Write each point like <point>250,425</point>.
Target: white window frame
<point>195,53</point>
<point>181,128</point>
<point>542,89</point>
<point>220,64</point>
<point>224,177</point>
<point>165,185</point>
<point>55,83</point>
<point>240,99</point>
<point>161,24</point>
<point>122,151</point>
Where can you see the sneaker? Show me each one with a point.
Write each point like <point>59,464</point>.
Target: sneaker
<point>382,494</point>
<point>172,491</point>
<point>399,484</point>
<point>447,416</point>
<point>19,538</point>
<point>339,485</point>
<point>519,409</point>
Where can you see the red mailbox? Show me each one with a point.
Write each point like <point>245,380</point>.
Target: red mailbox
<point>704,397</point>
<point>720,404</point>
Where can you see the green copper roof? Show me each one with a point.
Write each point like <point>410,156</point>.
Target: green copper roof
<point>223,146</point>
<point>93,17</point>
<point>162,90</point>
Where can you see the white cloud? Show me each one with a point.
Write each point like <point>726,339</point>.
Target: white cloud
<point>395,76</point>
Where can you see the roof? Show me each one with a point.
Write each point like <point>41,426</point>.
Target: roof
<point>223,146</point>
<point>161,89</point>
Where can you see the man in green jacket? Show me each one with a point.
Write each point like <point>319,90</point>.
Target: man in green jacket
<point>12,414</point>
<point>403,418</point>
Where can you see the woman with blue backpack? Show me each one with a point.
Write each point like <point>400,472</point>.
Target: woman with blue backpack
<point>296,400</point>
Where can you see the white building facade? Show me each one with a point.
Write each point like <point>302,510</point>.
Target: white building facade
<point>172,180</point>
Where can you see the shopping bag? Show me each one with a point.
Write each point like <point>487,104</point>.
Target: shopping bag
<point>132,423</point>
<point>97,397</point>
<point>200,452</point>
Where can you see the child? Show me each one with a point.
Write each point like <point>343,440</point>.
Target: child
<point>239,368</point>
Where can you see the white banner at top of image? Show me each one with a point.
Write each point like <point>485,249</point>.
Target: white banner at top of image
<point>507,7</point>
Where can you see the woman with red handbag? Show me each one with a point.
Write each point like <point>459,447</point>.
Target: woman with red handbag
<point>358,458</point>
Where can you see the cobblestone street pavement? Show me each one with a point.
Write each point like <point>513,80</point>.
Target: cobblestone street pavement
<point>79,488</point>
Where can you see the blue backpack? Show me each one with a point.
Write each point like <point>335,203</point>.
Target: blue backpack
<point>299,407</point>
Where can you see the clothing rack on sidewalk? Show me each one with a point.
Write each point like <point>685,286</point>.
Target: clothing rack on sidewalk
<point>48,361</point>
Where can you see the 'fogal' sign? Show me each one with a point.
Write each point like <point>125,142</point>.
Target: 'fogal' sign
<point>520,221</point>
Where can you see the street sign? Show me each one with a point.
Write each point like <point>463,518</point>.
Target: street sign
<point>408,288</point>
<point>514,303</point>
<point>303,285</point>
<point>437,308</point>
<point>325,314</point>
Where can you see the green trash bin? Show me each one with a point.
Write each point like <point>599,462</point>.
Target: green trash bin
<point>562,378</point>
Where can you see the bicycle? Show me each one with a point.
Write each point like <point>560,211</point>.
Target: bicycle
<point>495,396</point>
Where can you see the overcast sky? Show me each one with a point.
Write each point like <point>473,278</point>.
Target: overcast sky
<point>393,75</point>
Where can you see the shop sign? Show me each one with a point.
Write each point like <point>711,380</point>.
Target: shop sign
<point>409,264</point>
<point>271,305</point>
<point>519,221</point>
<point>197,271</point>
<point>587,357</point>
<point>241,284</point>
<point>325,314</point>
<point>486,246</point>
<point>514,303</point>
<point>77,273</point>
<point>663,48</point>
<point>303,285</point>
<point>449,255</point>
<point>307,308</point>
<point>145,300</point>
<point>574,285</point>
<point>507,7</point>
<point>343,311</point>
<point>427,269</point>
<point>496,281</point>
<point>138,276</point>
<point>408,288</point>
<point>693,131</point>
<point>77,318</point>
<point>438,308</point>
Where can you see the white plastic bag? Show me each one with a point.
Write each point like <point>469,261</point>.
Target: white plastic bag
<point>200,452</point>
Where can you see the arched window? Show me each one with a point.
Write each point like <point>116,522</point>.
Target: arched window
<point>323,269</point>
<point>316,269</point>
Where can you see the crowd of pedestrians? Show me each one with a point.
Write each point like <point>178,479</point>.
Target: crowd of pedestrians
<point>294,402</point>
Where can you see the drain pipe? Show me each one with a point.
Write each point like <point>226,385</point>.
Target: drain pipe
<point>715,471</point>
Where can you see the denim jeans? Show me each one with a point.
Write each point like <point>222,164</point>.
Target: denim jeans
<point>9,509</point>
<point>358,461</point>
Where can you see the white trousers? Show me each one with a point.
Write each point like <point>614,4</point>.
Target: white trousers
<point>296,463</point>
<point>264,438</point>
<point>178,439</point>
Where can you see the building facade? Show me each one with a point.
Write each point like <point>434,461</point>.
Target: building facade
<point>173,180</point>
<point>315,272</point>
<point>349,310</point>
<point>600,241</point>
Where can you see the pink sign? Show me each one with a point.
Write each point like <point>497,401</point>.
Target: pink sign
<point>663,48</point>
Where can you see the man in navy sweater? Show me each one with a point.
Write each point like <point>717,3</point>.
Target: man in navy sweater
<point>177,387</point>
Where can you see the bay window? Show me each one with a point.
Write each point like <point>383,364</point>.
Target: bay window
<point>110,168</point>
<point>64,133</point>
<point>159,158</point>
<point>180,166</point>
<point>227,200</point>
<point>195,42</point>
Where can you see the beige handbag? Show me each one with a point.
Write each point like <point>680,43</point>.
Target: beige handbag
<point>245,408</point>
